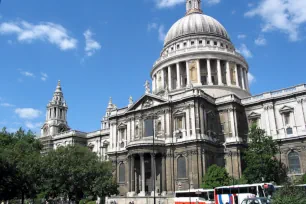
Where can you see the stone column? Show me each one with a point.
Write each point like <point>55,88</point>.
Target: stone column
<point>178,76</point>
<point>236,75</point>
<point>193,122</point>
<point>132,174</point>
<point>228,76</point>
<point>199,72</point>
<point>242,78</point>
<point>153,168</point>
<point>164,179</point>
<point>142,167</point>
<point>153,83</point>
<point>246,80</point>
<point>209,82</point>
<point>162,79</point>
<point>219,73</point>
<point>187,73</point>
<point>231,112</point>
<point>169,78</point>
<point>188,122</point>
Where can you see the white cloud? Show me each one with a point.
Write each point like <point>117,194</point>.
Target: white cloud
<point>251,78</point>
<point>45,31</point>
<point>31,125</point>
<point>284,15</point>
<point>6,105</point>
<point>161,33</point>
<point>160,29</point>
<point>91,45</point>
<point>168,3</point>
<point>28,113</point>
<point>27,74</point>
<point>244,50</point>
<point>152,26</point>
<point>44,76</point>
<point>260,41</point>
<point>212,2</point>
<point>241,36</point>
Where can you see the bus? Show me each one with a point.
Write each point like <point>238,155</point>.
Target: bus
<point>237,193</point>
<point>194,196</point>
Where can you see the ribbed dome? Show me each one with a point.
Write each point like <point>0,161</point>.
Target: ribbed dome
<point>196,24</point>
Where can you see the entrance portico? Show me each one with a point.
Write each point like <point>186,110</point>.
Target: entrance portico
<point>147,172</point>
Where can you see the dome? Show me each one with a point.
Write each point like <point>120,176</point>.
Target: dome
<point>196,24</point>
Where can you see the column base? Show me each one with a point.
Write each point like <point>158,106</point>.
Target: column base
<point>152,193</point>
<point>131,194</point>
<point>142,194</point>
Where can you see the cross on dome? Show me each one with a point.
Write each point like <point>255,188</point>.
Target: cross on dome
<point>193,6</point>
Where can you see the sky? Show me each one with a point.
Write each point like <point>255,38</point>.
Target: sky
<point>101,49</point>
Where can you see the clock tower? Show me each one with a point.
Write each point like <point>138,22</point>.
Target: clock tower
<point>56,116</point>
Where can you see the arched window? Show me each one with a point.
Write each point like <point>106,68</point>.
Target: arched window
<point>121,173</point>
<point>136,130</point>
<point>294,163</point>
<point>159,126</point>
<point>181,167</point>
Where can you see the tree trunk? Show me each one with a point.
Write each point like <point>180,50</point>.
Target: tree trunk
<point>22,198</point>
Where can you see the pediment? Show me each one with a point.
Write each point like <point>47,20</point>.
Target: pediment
<point>254,115</point>
<point>147,101</point>
<point>286,109</point>
<point>121,125</point>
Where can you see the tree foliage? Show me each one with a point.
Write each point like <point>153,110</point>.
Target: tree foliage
<point>72,172</point>
<point>75,172</point>
<point>290,194</point>
<point>215,176</point>
<point>19,164</point>
<point>260,159</point>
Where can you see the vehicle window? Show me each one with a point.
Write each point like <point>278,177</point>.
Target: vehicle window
<point>211,195</point>
<point>260,192</point>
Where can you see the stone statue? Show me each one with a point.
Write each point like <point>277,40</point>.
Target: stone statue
<point>147,87</point>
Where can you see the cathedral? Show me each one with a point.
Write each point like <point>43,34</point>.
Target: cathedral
<point>196,113</point>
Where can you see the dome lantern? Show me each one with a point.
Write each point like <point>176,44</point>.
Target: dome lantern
<point>193,6</point>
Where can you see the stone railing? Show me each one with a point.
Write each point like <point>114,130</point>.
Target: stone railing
<point>197,48</point>
<point>228,98</point>
<point>71,133</point>
<point>274,94</point>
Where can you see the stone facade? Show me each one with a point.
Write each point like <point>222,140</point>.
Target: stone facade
<point>197,114</point>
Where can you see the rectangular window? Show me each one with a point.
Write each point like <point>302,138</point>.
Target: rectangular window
<point>208,42</point>
<point>179,123</point>
<point>200,42</point>
<point>178,46</point>
<point>287,118</point>
<point>149,131</point>
<point>215,43</point>
<point>192,42</point>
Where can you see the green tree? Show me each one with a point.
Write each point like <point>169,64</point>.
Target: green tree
<point>19,164</point>
<point>216,176</point>
<point>289,194</point>
<point>74,172</point>
<point>260,159</point>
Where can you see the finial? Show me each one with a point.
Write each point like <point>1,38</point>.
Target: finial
<point>110,100</point>
<point>193,6</point>
<point>130,101</point>
<point>59,83</point>
<point>147,87</point>
<point>58,87</point>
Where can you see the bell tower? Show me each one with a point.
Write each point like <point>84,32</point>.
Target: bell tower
<point>193,6</point>
<point>56,116</point>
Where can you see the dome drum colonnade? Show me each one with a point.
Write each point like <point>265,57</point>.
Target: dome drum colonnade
<point>198,51</point>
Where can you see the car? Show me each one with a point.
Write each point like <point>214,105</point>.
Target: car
<point>256,201</point>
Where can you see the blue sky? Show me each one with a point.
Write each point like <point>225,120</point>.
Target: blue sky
<point>100,48</point>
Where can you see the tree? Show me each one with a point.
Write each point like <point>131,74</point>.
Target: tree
<point>216,176</point>
<point>74,172</point>
<point>260,159</point>
<point>19,164</point>
<point>289,194</point>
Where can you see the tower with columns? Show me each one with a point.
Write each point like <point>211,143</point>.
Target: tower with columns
<point>56,114</point>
